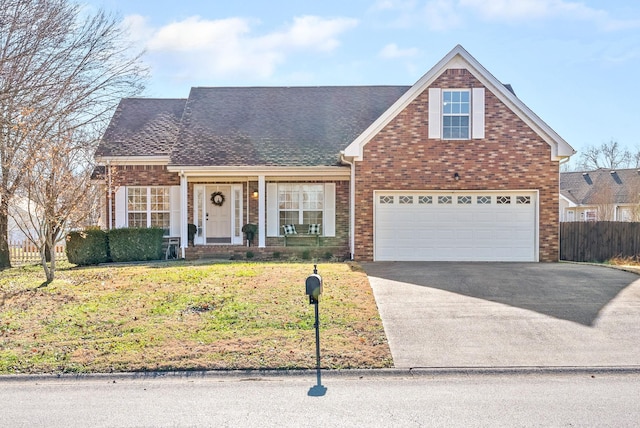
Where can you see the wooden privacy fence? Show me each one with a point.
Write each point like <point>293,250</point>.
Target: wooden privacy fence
<point>25,253</point>
<point>599,241</point>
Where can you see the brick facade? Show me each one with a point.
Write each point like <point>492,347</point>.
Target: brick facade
<point>511,156</point>
<point>138,175</point>
<point>157,175</point>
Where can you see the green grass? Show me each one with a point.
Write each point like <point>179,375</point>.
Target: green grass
<point>186,316</point>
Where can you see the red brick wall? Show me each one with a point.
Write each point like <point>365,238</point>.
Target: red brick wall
<point>512,156</point>
<point>139,175</point>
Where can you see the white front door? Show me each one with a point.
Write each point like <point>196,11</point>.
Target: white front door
<point>218,215</point>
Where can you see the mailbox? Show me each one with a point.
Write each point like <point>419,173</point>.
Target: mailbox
<point>313,287</point>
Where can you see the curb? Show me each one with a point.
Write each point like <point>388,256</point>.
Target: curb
<point>360,374</point>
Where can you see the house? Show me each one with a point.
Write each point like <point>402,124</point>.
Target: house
<point>600,195</point>
<point>455,167</point>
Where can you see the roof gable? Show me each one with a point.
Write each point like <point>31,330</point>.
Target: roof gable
<point>459,58</point>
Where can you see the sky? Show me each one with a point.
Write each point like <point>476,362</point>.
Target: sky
<point>575,63</point>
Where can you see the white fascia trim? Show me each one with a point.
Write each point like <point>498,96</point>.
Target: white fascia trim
<point>460,58</point>
<point>570,203</point>
<point>252,171</point>
<point>132,160</point>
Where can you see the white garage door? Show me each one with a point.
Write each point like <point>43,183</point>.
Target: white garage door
<point>455,226</point>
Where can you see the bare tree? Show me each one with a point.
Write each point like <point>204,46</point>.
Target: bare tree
<point>604,200</point>
<point>609,155</point>
<point>55,189</point>
<point>62,72</point>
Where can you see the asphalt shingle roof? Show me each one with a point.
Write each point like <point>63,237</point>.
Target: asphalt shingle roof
<point>142,127</point>
<point>593,187</point>
<point>276,126</point>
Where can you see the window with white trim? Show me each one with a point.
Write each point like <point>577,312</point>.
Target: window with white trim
<point>149,207</point>
<point>300,203</point>
<point>456,114</point>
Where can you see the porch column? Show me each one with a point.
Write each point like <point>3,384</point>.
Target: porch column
<point>184,237</point>
<point>262,223</point>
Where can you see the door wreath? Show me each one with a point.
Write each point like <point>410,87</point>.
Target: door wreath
<point>217,199</point>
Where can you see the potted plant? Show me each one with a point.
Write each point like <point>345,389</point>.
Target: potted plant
<point>250,231</point>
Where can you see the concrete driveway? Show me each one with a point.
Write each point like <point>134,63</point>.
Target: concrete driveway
<point>438,314</point>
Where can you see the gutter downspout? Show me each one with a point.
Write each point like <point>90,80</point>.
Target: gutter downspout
<point>109,196</point>
<point>184,227</point>
<point>352,203</point>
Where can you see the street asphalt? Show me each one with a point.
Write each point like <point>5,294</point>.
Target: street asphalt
<point>461,315</point>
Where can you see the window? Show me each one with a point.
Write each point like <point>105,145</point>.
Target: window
<point>300,203</point>
<point>405,200</point>
<point>456,113</point>
<point>456,110</point>
<point>148,207</point>
<point>425,199</point>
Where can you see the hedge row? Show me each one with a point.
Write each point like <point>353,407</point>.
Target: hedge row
<point>93,246</point>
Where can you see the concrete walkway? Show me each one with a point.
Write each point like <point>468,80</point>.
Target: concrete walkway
<point>508,314</point>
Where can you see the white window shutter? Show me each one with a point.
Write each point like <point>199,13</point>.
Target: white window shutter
<point>329,220</point>
<point>174,204</point>
<point>121,207</point>
<point>435,112</point>
<point>477,111</point>
<point>273,220</point>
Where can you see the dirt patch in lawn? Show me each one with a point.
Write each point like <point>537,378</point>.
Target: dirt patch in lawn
<point>184,316</point>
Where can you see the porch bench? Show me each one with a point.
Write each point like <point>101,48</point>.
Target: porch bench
<point>301,231</point>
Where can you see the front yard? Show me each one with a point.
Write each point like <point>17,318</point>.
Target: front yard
<point>186,316</point>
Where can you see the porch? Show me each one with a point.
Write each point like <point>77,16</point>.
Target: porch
<point>240,252</point>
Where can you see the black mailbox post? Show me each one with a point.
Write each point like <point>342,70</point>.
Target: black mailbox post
<point>313,289</point>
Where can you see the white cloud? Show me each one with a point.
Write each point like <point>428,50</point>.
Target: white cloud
<point>441,15</point>
<point>523,10</point>
<point>308,32</point>
<point>388,5</point>
<point>226,47</point>
<point>392,51</point>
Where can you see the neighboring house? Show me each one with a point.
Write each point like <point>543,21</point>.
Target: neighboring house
<point>19,224</point>
<point>600,195</point>
<point>455,167</point>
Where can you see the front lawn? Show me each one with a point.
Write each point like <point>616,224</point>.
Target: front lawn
<point>186,316</point>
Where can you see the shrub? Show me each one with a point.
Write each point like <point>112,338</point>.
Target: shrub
<point>87,247</point>
<point>250,254</point>
<point>306,255</point>
<point>135,244</point>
